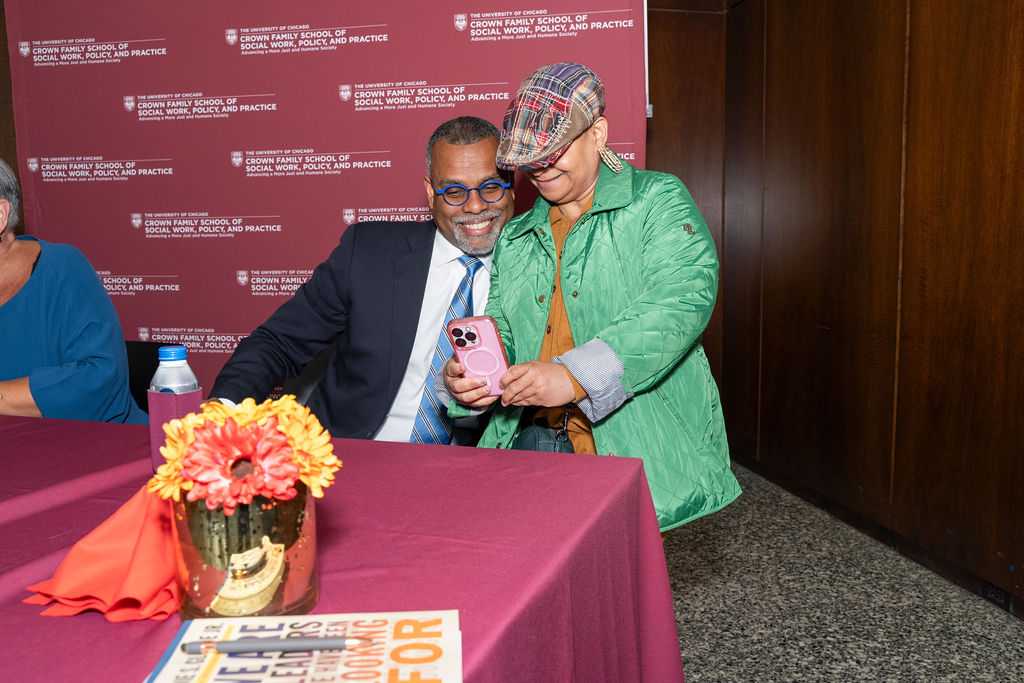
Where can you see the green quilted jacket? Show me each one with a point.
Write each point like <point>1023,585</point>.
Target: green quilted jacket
<point>639,279</point>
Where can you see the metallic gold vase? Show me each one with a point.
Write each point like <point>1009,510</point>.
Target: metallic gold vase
<point>260,561</point>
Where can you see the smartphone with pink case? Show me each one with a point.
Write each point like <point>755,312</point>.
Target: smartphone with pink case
<point>478,348</point>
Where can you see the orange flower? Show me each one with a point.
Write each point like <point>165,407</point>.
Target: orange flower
<point>227,456</point>
<point>314,452</point>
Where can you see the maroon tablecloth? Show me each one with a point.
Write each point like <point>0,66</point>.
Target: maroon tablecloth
<point>554,562</point>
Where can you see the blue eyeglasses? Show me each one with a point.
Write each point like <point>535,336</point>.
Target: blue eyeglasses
<point>457,195</point>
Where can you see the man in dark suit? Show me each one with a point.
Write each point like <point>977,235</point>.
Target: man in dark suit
<point>381,299</point>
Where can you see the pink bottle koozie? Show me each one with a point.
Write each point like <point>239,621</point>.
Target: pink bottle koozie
<point>164,407</point>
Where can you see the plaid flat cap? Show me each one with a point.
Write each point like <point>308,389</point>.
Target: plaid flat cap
<point>553,106</point>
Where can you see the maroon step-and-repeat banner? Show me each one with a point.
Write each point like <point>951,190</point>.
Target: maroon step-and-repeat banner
<point>206,156</point>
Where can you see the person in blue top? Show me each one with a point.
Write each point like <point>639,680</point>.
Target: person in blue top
<point>62,353</point>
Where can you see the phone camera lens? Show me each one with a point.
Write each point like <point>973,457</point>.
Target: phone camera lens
<point>460,342</point>
<point>456,332</point>
<point>471,336</point>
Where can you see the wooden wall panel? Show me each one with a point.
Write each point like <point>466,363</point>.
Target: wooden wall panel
<point>686,63</point>
<point>833,131</point>
<point>740,291</point>
<point>959,474</point>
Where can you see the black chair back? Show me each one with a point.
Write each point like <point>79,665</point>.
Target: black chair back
<point>143,359</point>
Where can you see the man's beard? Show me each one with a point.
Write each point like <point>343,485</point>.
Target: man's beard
<point>472,245</point>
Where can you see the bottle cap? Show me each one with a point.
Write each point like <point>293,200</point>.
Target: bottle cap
<point>177,352</point>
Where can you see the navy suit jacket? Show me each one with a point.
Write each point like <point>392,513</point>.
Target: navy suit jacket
<point>365,299</point>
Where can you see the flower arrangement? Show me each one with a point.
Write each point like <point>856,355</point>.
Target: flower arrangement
<point>228,456</point>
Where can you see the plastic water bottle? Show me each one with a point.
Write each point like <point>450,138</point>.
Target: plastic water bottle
<point>173,375</point>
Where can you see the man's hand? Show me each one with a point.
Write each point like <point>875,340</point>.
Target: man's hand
<point>537,384</point>
<point>469,391</point>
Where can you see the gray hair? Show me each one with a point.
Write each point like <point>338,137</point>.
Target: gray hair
<point>464,130</point>
<point>11,191</point>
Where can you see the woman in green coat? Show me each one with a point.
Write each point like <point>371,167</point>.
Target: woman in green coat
<point>622,260</point>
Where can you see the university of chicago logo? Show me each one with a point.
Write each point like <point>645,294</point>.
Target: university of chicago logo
<point>460,22</point>
<point>345,92</point>
<point>231,35</point>
<point>129,102</point>
<point>242,276</point>
<point>349,215</point>
<point>236,159</point>
<point>24,48</point>
<point>143,334</point>
<point>33,164</point>
<point>136,220</point>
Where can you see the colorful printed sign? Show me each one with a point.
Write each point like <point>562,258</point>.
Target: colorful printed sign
<point>207,156</point>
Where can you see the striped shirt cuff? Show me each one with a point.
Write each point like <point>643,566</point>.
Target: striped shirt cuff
<point>599,371</point>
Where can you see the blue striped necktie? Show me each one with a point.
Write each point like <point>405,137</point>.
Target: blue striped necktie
<point>432,423</point>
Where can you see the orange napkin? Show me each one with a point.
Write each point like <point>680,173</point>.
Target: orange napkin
<point>123,568</point>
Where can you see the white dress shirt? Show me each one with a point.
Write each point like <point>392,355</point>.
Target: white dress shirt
<point>442,282</point>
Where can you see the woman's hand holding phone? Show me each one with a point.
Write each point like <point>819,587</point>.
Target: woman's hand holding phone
<point>473,377</point>
<point>469,391</point>
<point>538,383</point>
